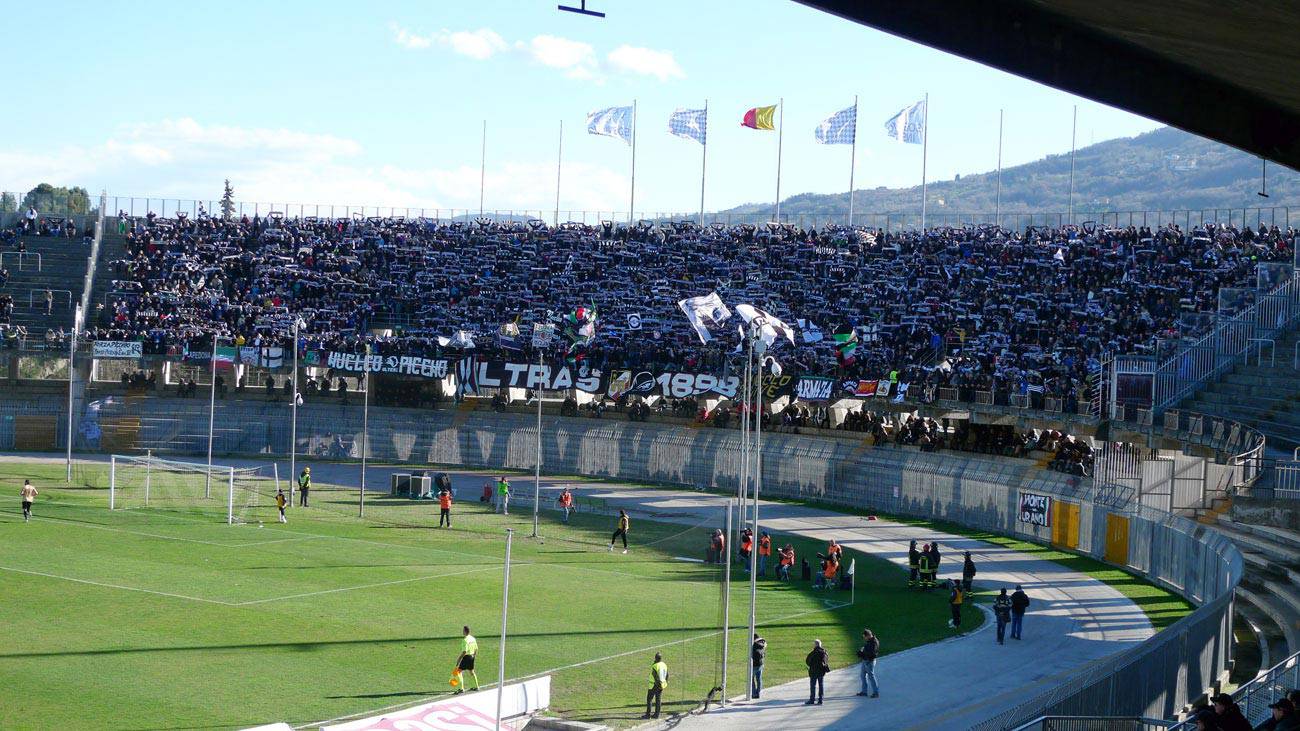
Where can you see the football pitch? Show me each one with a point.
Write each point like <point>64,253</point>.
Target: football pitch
<point>169,618</point>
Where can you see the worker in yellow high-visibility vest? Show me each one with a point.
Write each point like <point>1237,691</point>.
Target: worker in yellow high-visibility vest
<point>658,681</point>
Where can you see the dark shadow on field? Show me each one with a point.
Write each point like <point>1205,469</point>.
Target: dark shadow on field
<point>312,646</point>
<point>400,694</point>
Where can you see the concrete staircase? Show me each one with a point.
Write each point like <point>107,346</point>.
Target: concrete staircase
<point>111,246</point>
<point>1268,600</point>
<point>62,267</point>
<point>1267,397</point>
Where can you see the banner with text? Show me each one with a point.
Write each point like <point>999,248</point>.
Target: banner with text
<point>116,349</point>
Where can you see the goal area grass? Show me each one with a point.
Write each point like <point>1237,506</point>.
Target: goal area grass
<point>167,617</point>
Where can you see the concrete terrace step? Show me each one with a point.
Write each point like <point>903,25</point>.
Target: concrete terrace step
<point>1277,614</point>
<point>1268,635</point>
<point>1250,542</point>
<point>1283,536</point>
<point>1289,596</point>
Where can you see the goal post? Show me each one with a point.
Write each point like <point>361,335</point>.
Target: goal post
<point>221,491</point>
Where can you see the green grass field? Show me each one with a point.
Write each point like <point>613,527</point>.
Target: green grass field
<point>151,618</point>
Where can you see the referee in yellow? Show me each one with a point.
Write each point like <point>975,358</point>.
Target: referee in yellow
<point>465,661</point>
<point>621,531</point>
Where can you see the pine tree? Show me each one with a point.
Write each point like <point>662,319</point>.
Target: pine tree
<point>228,202</point>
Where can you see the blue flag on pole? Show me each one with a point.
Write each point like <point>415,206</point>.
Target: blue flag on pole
<point>908,125</point>
<point>838,129</point>
<point>611,122</point>
<point>693,124</point>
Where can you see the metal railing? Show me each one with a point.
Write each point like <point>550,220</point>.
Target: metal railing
<point>1223,347</point>
<point>1094,723</point>
<point>1254,697</point>
<point>22,257</point>
<point>57,294</point>
<point>92,262</point>
<point>1286,480</point>
<point>139,206</point>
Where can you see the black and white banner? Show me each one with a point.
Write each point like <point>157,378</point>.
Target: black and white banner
<point>408,365</point>
<point>670,383</point>
<point>116,349</point>
<point>1036,509</point>
<point>814,388</point>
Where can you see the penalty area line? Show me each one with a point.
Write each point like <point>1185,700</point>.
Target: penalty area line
<point>360,586</point>
<point>116,586</point>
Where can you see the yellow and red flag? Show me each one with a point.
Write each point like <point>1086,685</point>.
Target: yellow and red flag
<point>760,118</point>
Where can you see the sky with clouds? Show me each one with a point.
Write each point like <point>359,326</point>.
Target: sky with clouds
<point>385,103</point>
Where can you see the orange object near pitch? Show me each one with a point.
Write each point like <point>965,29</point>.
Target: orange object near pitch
<point>455,677</point>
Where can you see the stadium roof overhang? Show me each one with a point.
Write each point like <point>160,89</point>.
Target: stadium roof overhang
<point>1222,69</point>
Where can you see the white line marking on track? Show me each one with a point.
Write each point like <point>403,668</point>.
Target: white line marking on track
<point>117,586</point>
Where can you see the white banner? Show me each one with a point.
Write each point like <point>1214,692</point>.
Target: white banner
<point>116,349</point>
<point>460,713</point>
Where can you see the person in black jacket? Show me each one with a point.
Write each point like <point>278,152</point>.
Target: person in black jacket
<point>1229,713</point>
<point>757,652</point>
<point>867,654</point>
<point>1019,603</point>
<point>1002,612</point>
<point>818,665</point>
<point>934,563</point>
<point>967,573</point>
<point>913,563</point>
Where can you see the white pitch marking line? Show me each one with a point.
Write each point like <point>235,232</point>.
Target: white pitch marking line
<point>692,560</point>
<point>117,586</point>
<point>410,704</point>
<point>361,586</point>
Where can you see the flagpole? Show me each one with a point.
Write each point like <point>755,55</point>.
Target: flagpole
<point>212,416</point>
<point>758,479</point>
<point>559,157</point>
<point>780,130</point>
<point>704,157</point>
<point>482,168</point>
<point>998,215</point>
<point>1074,127</point>
<point>853,157</point>
<point>925,145</point>
<point>631,206</point>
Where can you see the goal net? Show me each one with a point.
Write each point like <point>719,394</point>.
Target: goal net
<point>234,493</point>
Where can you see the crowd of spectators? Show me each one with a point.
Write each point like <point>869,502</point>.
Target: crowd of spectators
<point>975,308</point>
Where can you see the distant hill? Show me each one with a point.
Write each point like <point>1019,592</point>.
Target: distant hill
<point>1166,169</point>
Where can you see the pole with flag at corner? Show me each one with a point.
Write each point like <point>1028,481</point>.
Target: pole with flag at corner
<point>765,118</point>
<point>912,126</point>
<point>505,613</point>
<point>841,128</point>
<point>617,122</point>
<point>853,156</point>
<point>692,124</point>
<point>212,418</point>
<point>293,429</point>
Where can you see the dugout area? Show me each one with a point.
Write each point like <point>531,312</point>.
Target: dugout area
<point>170,617</point>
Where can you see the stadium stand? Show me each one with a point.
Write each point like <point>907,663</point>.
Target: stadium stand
<point>31,264</point>
<point>1014,312</point>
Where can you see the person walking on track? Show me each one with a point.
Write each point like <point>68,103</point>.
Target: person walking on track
<point>955,598</point>
<point>621,531</point>
<point>304,486</point>
<point>566,503</point>
<point>465,661</point>
<point>28,494</point>
<point>658,681</point>
<point>1002,612</point>
<point>1019,603</point>
<point>444,506</point>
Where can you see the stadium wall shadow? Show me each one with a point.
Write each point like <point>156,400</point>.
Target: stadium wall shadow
<point>1155,679</point>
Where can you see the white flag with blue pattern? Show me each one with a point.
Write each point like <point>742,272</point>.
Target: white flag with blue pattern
<point>611,122</point>
<point>908,125</point>
<point>839,128</point>
<point>693,124</point>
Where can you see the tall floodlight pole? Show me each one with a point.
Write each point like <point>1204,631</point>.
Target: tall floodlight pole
<point>505,610</point>
<point>365,433</point>
<point>293,427</point>
<point>997,217</point>
<point>537,471</point>
<point>726,603</point>
<point>1074,128</point>
<point>753,554</point>
<point>212,417</point>
<point>72,375</point>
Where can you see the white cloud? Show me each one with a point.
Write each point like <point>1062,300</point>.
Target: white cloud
<point>645,62</point>
<point>185,159</point>
<point>478,44</point>
<point>577,59</point>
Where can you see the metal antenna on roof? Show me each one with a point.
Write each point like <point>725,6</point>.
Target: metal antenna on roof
<point>581,10</point>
